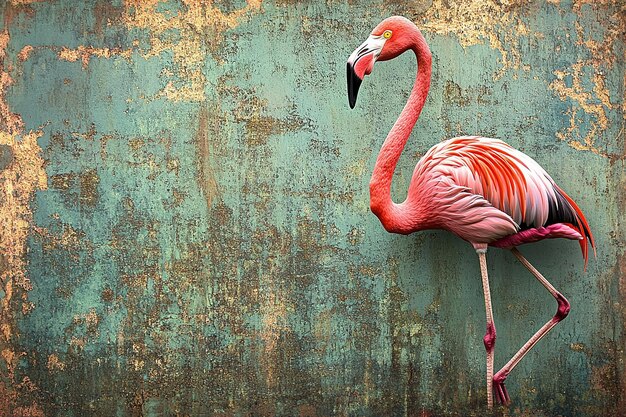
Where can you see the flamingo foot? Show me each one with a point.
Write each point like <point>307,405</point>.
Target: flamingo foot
<point>502,396</point>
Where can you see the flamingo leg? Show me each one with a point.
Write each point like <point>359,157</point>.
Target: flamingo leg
<point>562,311</point>
<point>490,336</point>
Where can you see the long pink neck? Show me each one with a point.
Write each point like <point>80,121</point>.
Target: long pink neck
<point>395,217</point>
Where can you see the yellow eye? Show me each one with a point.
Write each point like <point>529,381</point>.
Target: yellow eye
<point>387,34</point>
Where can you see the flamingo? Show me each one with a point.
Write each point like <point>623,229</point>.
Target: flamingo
<point>481,189</point>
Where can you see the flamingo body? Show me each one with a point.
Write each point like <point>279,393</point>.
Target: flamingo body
<point>486,192</point>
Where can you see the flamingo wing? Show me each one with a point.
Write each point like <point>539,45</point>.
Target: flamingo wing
<point>488,172</point>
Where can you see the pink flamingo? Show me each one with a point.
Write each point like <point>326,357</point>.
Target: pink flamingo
<point>480,189</point>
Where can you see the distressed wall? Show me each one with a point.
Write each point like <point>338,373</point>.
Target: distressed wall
<point>185,229</point>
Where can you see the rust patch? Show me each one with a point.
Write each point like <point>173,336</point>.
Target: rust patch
<point>92,320</point>
<point>259,127</point>
<point>86,184</point>
<point>31,411</point>
<point>454,94</point>
<point>61,181</point>
<point>621,262</point>
<point>605,377</point>
<point>273,311</point>
<point>106,14</point>
<point>25,53</point>
<point>178,197</point>
<point>205,177</point>
<point>65,238</point>
<point>621,404</point>
<point>499,24</point>
<point>355,236</point>
<point>54,363</point>
<point>15,8</point>
<point>107,295</point>
<point>136,143</point>
<point>82,329</point>
<point>307,411</point>
<point>89,181</point>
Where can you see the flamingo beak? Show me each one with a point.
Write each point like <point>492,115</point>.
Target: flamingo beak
<point>361,63</point>
<point>354,82</point>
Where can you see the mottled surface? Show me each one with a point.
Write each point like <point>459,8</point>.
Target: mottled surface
<point>184,222</point>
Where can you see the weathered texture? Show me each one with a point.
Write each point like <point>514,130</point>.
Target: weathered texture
<point>184,222</point>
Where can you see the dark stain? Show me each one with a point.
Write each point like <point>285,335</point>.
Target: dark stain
<point>88,182</point>
<point>307,411</point>
<point>12,10</point>
<point>410,8</point>
<point>263,409</point>
<point>229,6</point>
<point>4,265</point>
<point>106,14</point>
<point>250,110</point>
<point>259,128</point>
<point>6,156</point>
<point>81,188</point>
<point>453,94</point>
<point>61,181</point>
<point>67,253</point>
<point>107,295</point>
<point>57,140</point>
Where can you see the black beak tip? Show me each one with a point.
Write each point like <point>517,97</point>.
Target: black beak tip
<point>354,82</point>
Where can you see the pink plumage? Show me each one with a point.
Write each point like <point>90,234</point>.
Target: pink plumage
<point>557,230</point>
<point>480,189</point>
<point>485,191</point>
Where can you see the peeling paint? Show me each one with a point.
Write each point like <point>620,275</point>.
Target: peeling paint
<point>85,53</point>
<point>200,26</point>
<point>22,174</point>
<point>476,22</point>
<point>9,122</point>
<point>501,24</point>
<point>595,102</point>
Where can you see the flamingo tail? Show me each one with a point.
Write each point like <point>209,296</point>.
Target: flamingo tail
<point>581,225</point>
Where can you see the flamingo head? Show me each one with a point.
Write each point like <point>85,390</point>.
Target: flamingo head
<point>390,38</point>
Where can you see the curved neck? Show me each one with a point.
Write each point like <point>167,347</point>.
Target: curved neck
<point>380,185</point>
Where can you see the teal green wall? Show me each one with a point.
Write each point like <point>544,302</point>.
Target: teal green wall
<point>185,228</point>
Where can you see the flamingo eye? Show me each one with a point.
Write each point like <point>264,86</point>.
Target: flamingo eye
<point>387,34</point>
